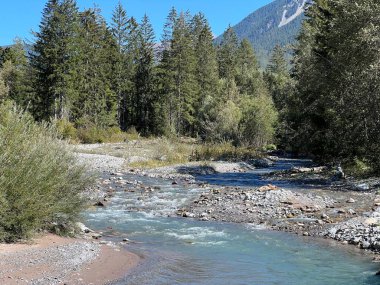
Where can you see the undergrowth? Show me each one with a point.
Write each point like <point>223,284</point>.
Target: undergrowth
<point>40,181</point>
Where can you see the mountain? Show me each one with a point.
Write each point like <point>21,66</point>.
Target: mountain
<point>277,23</point>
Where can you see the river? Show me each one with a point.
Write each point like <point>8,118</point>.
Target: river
<point>185,251</point>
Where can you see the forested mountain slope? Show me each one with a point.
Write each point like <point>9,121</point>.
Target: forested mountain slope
<point>277,23</point>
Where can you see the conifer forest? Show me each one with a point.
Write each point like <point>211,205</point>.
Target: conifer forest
<point>85,74</point>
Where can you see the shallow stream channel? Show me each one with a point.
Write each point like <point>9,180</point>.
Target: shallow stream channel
<point>186,251</point>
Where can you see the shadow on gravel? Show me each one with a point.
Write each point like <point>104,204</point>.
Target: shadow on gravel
<point>196,170</point>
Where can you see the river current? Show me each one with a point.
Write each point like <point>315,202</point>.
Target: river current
<point>186,251</point>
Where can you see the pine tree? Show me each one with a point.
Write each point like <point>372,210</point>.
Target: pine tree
<point>277,77</point>
<point>165,72</point>
<point>145,79</point>
<point>53,59</point>
<point>206,71</point>
<point>335,108</point>
<point>183,67</point>
<point>97,102</point>
<point>248,77</point>
<point>227,52</point>
<point>132,55</point>
<point>313,74</point>
<point>17,74</point>
<point>120,30</point>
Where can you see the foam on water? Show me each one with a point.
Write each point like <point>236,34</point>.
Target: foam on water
<point>186,251</point>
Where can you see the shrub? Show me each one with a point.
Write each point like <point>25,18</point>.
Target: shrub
<point>132,134</point>
<point>96,134</point>
<point>224,151</point>
<point>40,182</point>
<point>90,135</point>
<point>270,147</point>
<point>66,129</point>
<point>357,167</point>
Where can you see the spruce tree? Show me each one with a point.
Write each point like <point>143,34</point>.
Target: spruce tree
<point>53,58</point>
<point>206,72</point>
<point>132,55</point>
<point>17,74</point>
<point>145,79</point>
<point>165,72</point>
<point>183,67</point>
<point>97,102</point>
<point>227,52</point>
<point>277,77</point>
<point>120,30</point>
<point>248,77</point>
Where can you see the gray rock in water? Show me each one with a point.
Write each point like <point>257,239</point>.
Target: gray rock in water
<point>351,212</point>
<point>83,228</point>
<point>339,173</point>
<point>362,187</point>
<point>262,163</point>
<point>365,244</point>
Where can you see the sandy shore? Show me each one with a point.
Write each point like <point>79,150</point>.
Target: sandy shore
<point>57,260</point>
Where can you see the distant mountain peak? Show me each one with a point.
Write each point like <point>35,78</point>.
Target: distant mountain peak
<point>277,23</point>
<point>300,9</point>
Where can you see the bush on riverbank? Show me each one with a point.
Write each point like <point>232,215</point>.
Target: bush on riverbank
<point>224,151</point>
<point>165,152</point>
<point>40,182</point>
<point>89,133</point>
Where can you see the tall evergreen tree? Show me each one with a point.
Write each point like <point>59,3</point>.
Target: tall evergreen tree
<point>336,62</point>
<point>145,79</point>
<point>53,59</point>
<point>120,30</point>
<point>97,102</point>
<point>206,71</point>
<point>17,74</point>
<point>227,52</point>
<point>132,55</point>
<point>248,77</point>
<point>277,77</point>
<point>165,73</point>
<point>183,67</point>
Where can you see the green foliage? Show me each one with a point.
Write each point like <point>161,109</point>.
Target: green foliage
<point>337,90</point>
<point>258,121</point>
<point>357,168</point>
<point>166,152</point>
<point>54,57</point>
<point>96,78</point>
<point>94,134</point>
<point>223,151</point>
<point>40,181</point>
<point>4,89</point>
<point>270,147</point>
<point>226,126</point>
<point>227,54</point>
<point>66,129</point>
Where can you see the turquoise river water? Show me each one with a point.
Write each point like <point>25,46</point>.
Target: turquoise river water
<point>186,251</point>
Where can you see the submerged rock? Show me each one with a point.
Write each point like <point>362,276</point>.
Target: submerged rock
<point>362,187</point>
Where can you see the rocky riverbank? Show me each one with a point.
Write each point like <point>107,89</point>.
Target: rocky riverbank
<point>84,260</point>
<point>56,260</point>
<point>319,205</point>
<point>346,215</point>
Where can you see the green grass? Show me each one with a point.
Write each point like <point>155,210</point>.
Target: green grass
<point>164,152</point>
<point>40,182</point>
<point>358,168</point>
<point>224,151</point>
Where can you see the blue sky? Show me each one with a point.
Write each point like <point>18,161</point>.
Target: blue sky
<point>19,17</point>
